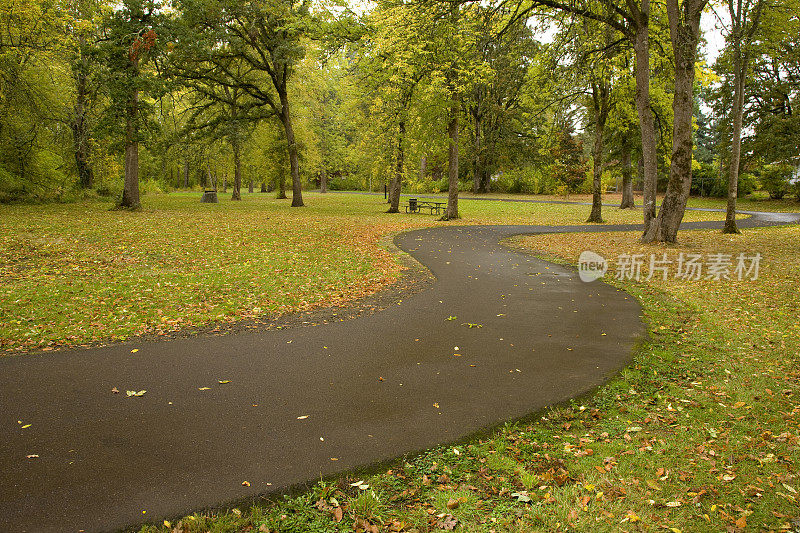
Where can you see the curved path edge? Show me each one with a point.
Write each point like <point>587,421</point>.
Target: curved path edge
<point>279,408</point>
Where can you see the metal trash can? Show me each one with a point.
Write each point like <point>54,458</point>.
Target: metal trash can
<point>412,205</point>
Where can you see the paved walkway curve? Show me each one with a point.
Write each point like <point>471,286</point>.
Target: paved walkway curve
<point>104,459</point>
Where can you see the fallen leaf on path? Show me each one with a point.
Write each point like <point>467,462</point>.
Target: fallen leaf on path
<point>203,388</point>
<point>302,417</point>
<point>223,381</point>
<point>131,393</point>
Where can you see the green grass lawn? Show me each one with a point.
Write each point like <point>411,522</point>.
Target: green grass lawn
<point>700,433</point>
<point>74,274</point>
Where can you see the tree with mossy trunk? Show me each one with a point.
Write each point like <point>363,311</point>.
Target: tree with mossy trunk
<point>684,25</point>
<point>451,28</point>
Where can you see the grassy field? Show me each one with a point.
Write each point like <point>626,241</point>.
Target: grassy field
<point>700,433</point>
<point>74,274</point>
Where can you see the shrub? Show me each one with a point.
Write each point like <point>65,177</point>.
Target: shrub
<point>528,180</point>
<point>775,180</point>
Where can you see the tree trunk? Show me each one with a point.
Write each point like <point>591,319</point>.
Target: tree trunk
<point>323,182</point>
<point>186,173</point>
<point>237,170</point>
<point>397,179</point>
<point>739,71</point>
<point>485,176</point>
<point>250,186</point>
<point>225,182</point>
<point>600,95</point>
<point>736,148</point>
<point>263,186</point>
<point>423,167</point>
<point>627,175</point>
<point>130,192</point>
<point>684,21</point>
<point>282,185</point>
<point>80,125</point>
<point>476,162</point>
<point>452,162</point>
<point>641,47</point>
<point>286,118</point>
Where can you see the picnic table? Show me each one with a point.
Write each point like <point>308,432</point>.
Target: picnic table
<point>416,206</point>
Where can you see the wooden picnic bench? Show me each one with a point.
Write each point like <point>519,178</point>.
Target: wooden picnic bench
<point>416,206</point>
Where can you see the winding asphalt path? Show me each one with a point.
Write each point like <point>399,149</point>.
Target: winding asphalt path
<point>360,391</point>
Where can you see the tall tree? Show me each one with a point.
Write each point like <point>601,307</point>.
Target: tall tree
<point>84,33</point>
<point>506,50</point>
<point>684,26</point>
<point>594,52</point>
<point>744,16</point>
<point>265,36</point>
<point>632,19</point>
<point>127,45</point>
<point>33,87</point>
<point>222,108</point>
<point>392,67</point>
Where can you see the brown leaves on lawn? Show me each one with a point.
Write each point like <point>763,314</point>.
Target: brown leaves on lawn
<point>336,511</point>
<point>446,522</point>
<point>551,471</point>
